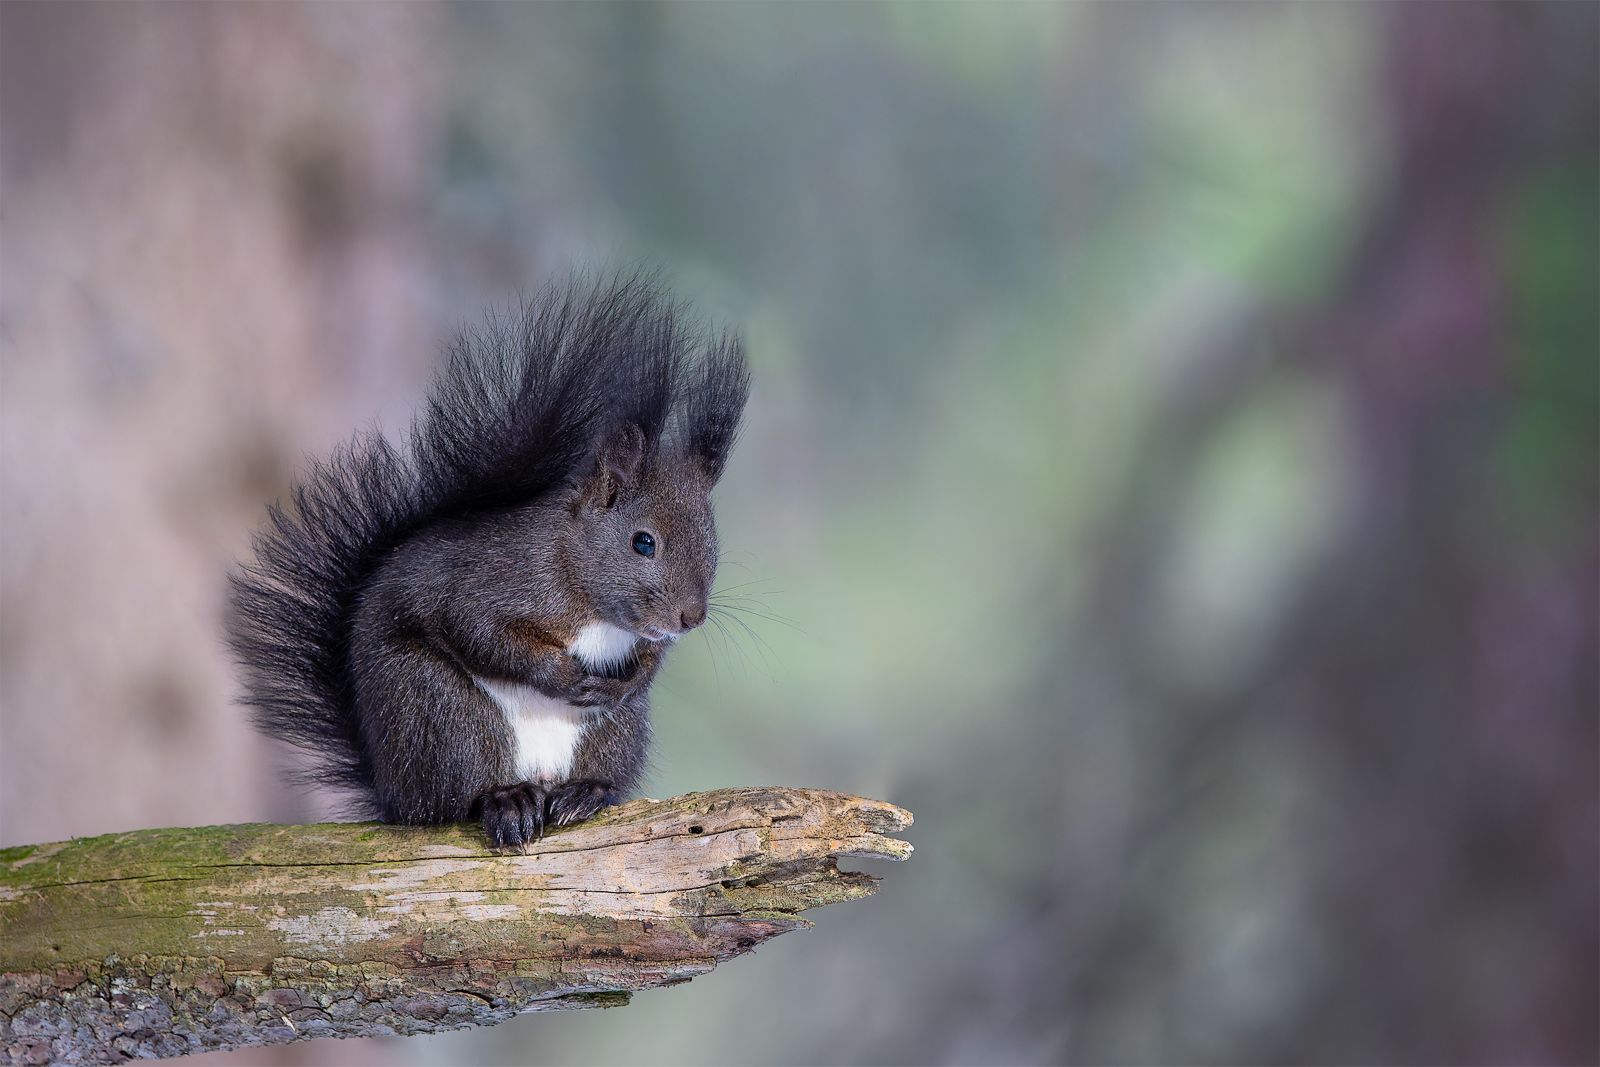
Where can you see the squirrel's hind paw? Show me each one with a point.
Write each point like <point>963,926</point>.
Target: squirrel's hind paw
<point>515,814</point>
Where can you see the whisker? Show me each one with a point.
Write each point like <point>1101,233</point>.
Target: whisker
<point>756,611</point>
<point>729,644</point>
<point>711,651</point>
<point>762,646</point>
<point>755,581</point>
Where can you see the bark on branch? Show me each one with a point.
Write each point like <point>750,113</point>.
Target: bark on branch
<point>166,942</point>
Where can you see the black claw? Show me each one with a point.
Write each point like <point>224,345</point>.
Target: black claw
<point>578,800</point>
<point>514,815</point>
<point>494,823</point>
<point>532,826</point>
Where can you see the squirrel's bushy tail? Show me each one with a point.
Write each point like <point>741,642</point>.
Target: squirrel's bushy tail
<point>519,409</point>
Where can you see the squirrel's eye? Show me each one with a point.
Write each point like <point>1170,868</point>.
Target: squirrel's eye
<point>644,544</point>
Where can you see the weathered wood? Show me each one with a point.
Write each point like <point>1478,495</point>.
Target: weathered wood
<point>165,942</point>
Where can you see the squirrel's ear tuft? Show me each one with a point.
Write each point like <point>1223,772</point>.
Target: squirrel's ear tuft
<point>619,465</point>
<point>716,404</point>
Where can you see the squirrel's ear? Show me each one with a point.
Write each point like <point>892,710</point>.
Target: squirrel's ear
<point>621,458</point>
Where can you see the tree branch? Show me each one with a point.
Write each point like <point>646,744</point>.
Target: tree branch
<point>167,942</point>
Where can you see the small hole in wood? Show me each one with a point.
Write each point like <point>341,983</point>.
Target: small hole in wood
<point>697,829</point>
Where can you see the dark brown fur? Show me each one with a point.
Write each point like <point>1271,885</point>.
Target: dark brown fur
<point>484,550</point>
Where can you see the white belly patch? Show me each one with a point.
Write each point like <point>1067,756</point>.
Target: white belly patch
<point>545,731</point>
<point>601,645</point>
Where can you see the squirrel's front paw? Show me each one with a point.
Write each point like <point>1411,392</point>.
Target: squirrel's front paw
<point>593,689</point>
<point>515,814</point>
<point>579,799</point>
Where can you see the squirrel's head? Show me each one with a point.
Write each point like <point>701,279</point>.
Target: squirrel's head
<point>647,542</point>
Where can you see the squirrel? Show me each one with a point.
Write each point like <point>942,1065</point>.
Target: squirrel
<point>465,627</point>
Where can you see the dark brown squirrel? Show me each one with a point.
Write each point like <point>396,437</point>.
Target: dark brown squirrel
<point>466,627</point>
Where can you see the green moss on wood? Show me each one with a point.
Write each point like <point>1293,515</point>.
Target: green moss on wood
<point>223,936</point>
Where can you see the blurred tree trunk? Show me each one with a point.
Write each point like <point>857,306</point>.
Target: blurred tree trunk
<point>1433,688</point>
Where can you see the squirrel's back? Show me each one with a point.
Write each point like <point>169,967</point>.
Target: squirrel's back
<point>518,412</point>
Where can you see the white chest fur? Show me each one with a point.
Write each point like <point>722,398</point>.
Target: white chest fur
<point>601,645</point>
<point>545,731</point>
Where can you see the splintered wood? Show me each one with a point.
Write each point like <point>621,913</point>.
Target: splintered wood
<point>166,942</point>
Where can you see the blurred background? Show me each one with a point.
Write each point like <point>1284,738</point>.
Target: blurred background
<point>1171,474</point>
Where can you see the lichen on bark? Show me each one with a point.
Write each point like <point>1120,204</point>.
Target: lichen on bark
<point>165,942</point>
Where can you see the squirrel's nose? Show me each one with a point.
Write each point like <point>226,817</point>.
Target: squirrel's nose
<point>693,617</point>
